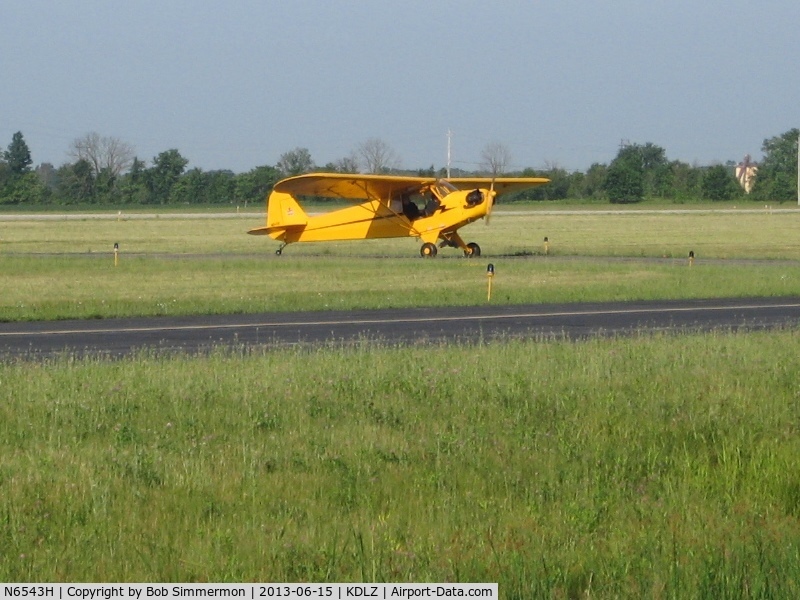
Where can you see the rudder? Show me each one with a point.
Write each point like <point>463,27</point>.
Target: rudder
<point>284,211</point>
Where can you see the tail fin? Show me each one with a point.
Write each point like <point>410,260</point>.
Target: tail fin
<point>283,211</point>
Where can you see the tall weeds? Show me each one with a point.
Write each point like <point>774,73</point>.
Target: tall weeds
<point>654,466</point>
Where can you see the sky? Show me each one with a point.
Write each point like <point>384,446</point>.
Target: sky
<point>235,84</point>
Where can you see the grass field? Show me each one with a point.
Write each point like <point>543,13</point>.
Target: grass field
<point>171,266</point>
<point>662,467</point>
<point>514,231</point>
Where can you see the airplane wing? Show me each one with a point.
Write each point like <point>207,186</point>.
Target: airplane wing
<point>352,187</point>
<point>502,185</point>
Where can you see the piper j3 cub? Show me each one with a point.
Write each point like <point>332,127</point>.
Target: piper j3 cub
<point>429,209</point>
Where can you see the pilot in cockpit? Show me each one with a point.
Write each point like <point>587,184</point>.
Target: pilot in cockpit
<point>431,203</point>
<point>410,208</point>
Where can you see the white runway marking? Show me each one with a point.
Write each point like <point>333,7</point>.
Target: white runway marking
<point>382,321</point>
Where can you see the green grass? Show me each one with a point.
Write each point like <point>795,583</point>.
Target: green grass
<point>655,467</point>
<point>64,287</point>
<point>65,269</point>
<point>634,233</point>
<point>662,467</point>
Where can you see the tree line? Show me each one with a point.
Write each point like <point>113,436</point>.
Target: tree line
<point>106,171</point>
<point>643,171</point>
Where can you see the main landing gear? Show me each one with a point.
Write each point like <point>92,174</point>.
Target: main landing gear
<point>428,250</point>
<point>473,250</point>
<point>279,251</point>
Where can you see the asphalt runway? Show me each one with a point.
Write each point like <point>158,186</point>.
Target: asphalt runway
<point>121,337</point>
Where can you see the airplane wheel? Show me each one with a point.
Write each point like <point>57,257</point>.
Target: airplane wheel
<point>278,251</point>
<point>428,250</point>
<point>474,250</point>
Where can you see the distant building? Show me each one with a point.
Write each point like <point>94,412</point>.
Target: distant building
<point>746,173</point>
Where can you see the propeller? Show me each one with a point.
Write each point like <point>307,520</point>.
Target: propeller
<point>490,200</point>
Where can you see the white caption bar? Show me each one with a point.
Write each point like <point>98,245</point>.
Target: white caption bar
<point>249,591</point>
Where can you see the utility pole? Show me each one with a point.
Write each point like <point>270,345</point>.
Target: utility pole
<point>798,170</point>
<point>450,135</point>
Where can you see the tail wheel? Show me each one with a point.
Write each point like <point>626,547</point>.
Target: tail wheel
<point>428,250</point>
<point>473,250</point>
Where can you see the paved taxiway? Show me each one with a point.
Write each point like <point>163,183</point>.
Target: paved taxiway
<point>119,337</point>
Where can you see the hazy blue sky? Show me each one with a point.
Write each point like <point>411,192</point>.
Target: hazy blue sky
<point>235,84</point>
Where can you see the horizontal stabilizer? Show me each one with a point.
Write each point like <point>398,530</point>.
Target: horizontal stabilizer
<point>259,231</point>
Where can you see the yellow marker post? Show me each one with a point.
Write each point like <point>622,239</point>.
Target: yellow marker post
<point>490,275</point>
<point>546,246</point>
<point>116,254</point>
<point>691,257</point>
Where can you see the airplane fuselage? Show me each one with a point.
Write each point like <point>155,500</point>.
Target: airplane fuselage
<point>375,219</point>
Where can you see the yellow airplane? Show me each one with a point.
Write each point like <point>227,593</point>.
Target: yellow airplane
<point>387,206</point>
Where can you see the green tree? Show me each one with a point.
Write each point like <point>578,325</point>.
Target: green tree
<point>346,164</point>
<point>18,185</point>
<point>25,188</point>
<point>719,184</point>
<point>106,188</point>
<point>5,175</point>
<point>133,186</point>
<point>18,155</point>
<point>558,188</point>
<point>636,172</point>
<point>203,187</point>
<point>776,178</point>
<point>190,188</point>
<point>76,184</point>
<point>592,183</point>
<point>48,175</point>
<point>254,185</point>
<point>163,175</point>
<point>624,182</point>
<point>652,156</point>
<point>659,181</point>
<point>221,186</point>
<point>295,162</point>
<point>686,181</point>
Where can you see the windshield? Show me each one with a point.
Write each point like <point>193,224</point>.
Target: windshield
<point>442,188</point>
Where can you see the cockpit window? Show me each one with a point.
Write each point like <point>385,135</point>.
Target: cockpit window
<point>442,188</point>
